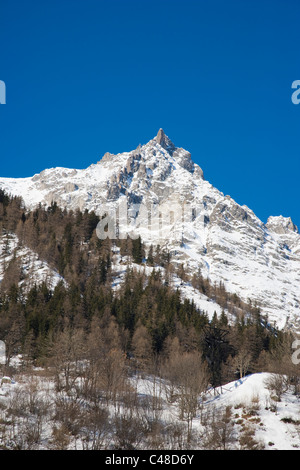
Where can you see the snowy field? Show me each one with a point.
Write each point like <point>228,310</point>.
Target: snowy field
<point>247,414</point>
<point>276,424</point>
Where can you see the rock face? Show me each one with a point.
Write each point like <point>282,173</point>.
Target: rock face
<point>168,202</point>
<point>281,225</point>
<point>164,141</point>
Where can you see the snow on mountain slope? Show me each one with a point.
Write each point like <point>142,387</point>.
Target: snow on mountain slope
<point>32,269</point>
<point>168,202</point>
<point>201,301</point>
<point>275,423</point>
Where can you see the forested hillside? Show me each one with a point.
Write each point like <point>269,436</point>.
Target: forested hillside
<point>93,333</point>
<point>148,315</point>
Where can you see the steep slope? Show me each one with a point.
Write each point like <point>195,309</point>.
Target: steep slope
<point>18,262</point>
<point>157,191</point>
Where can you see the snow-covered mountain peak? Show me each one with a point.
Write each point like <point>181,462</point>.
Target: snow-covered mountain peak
<point>281,225</point>
<point>163,140</point>
<point>210,232</point>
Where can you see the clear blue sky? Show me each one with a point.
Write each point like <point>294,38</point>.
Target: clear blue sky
<point>84,77</point>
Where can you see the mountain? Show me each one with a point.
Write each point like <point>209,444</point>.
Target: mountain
<point>158,192</point>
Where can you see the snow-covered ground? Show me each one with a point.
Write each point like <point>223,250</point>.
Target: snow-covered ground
<point>273,425</point>
<point>274,421</point>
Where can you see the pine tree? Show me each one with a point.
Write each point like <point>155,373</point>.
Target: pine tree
<point>137,250</point>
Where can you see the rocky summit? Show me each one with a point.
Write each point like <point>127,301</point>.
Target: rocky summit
<point>165,198</point>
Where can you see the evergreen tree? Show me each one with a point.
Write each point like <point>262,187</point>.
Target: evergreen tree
<point>137,250</point>
<point>216,349</point>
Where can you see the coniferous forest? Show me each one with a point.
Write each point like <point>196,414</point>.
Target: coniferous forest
<point>92,338</point>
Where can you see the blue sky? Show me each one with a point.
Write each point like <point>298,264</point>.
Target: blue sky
<point>84,77</point>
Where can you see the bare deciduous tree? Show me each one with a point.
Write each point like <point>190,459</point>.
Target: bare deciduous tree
<point>67,355</point>
<point>220,430</point>
<point>188,378</point>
